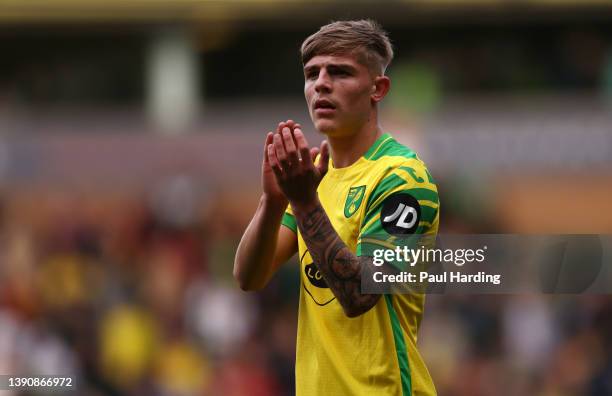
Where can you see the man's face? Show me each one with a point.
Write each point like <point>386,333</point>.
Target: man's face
<point>338,92</point>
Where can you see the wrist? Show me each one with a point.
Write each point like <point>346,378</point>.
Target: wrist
<point>274,203</point>
<point>305,206</point>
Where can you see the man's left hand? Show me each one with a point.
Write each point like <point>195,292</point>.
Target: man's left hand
<point>293,164</point>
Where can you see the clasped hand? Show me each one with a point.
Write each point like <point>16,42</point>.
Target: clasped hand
<point>292,162</point>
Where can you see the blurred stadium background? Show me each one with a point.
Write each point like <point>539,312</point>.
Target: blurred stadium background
<point>130,143</point>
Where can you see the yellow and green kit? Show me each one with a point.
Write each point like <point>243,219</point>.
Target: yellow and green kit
<point>387,191</point>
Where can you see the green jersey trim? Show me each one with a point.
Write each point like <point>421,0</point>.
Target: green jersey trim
<point>385,137</point>
<point>400,348</point>
<point>391,148</point>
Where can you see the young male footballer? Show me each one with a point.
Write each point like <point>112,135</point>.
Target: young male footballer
<point>335,205</point>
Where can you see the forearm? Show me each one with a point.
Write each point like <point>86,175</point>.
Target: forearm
<point>341,269</point>
<point>255,254</point>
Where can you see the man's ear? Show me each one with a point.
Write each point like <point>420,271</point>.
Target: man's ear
<point>381,87</point>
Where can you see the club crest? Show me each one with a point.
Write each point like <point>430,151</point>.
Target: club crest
<point>353,200</point>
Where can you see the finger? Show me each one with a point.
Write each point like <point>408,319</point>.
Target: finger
<point>281,155</point>
<point>324,159</point>
<point>313,154</point>
<point>274,164</point>
<point>292,154</point>
<point>284,124</point>
<point>269,139</point>
<point>289,124</point>
<point>303,148</point>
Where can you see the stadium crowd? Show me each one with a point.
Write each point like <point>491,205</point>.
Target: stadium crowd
<point>133,301</point>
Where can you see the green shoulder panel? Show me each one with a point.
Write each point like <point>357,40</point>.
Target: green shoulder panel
<point>388,147</point>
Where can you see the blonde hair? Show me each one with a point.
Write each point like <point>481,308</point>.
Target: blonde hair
<point>364,38</point>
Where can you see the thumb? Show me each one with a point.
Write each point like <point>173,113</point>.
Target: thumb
<point>324,159</point>
<point>269,140</point>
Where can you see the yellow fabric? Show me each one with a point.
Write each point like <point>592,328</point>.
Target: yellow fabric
<point>337,355</point>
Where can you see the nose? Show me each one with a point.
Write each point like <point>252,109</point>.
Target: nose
<point>323,83</point>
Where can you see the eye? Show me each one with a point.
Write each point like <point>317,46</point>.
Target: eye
<point>311,75</point>
<point>341,72</point>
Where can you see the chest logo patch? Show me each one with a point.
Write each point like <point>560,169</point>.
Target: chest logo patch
<point>353,200</point>
<point>321,294</point>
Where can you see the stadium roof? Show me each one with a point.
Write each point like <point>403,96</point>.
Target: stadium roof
<point>285,11</point>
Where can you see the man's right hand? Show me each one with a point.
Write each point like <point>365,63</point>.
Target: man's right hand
<point>271,189</point>
<point>265,244</point>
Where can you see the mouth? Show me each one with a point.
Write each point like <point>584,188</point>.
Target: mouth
<point>324,106</point>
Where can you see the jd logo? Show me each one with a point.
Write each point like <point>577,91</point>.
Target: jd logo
<point>403,212</point>
<point>353,200</point>
<point>314,276</point>
<point>400,214</point>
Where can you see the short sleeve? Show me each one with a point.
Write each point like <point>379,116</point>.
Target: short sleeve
<point>400,209</point>
<point>288,219</point>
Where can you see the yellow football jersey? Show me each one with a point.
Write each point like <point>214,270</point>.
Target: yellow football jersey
<point>375,353</point>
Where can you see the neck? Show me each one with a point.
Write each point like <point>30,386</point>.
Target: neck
<point>347,149</point>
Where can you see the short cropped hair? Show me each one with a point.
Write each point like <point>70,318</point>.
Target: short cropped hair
<point>364,38</point>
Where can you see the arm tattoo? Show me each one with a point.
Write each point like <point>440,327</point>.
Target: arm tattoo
<point>341,269</point>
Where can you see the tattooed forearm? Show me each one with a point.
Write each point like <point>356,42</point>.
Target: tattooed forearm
<point>341,269</point>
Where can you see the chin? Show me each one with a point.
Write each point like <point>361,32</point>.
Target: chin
<point>326,126</point>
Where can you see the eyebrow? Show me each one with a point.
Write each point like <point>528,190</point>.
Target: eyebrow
<point>344,66</point>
